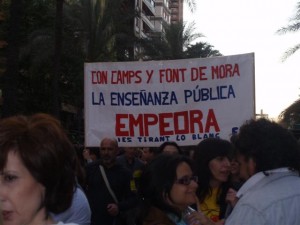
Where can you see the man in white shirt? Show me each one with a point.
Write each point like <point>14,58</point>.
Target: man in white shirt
<point>270,162</point>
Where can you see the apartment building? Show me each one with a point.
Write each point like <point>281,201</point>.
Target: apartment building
<point>176,7</point>
<point>153,14</point>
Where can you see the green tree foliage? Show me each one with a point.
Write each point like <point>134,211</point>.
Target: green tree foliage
<point>291,115</point>
<point>191,4</point>
<point>38,56</point>
<point>92,31</point>
<point>11,78</point>
<point>201,50</point>
<point>105,28</point>
<point>293,26</point>
<point>176,43</point>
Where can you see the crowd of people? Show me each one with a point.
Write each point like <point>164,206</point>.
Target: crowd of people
<point>253,178</point>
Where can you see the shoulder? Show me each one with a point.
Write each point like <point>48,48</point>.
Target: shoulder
<point>271,194</point>
<point>139,162</point>
<point>80,199</point>
<point>276,187</point>
<point>79,210</point>
<point>121,157</point>
<point>120,168</point>
<point>157,217</point>
<point>93,165</point>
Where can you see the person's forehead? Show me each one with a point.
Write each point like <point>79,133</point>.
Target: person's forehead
<point>108,143</point>
<point>170,148</point>
<point>14,163</point>
<point>146,149</point>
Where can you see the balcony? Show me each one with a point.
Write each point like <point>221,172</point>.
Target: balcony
<point>148,20</point>
<point>162,2</point>
<point>149,6</point>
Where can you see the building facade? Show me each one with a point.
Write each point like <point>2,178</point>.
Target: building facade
<point>176,7</point>
<point>153,14</point>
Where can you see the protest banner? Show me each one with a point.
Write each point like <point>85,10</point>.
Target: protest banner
<point>150,102</point>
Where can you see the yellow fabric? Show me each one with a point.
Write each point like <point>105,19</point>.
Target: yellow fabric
<point>133,182</point>
<point>210,207</point>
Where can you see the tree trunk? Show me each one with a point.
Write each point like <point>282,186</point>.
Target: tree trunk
<point>57,58</point>
<point>11,76</point>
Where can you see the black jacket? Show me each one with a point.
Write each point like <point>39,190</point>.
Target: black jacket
<point>99,196</point>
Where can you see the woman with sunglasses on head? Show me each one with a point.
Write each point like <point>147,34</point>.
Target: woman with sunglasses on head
<point>212,160</point>
<point>167,189</point>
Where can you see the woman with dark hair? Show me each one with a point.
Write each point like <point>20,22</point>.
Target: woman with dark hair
<point>170,147</point>
<point>91,154</point>
<point>212,160</point>
<point>167,188</point>
<point>37,175</point>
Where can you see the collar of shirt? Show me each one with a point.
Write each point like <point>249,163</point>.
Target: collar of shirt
<point>256,178</point>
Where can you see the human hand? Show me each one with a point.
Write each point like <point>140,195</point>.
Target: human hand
<point>231,197</point>
<point>112,209</point>
<point>198,218</point>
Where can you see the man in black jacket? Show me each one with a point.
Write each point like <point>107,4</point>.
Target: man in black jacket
<point>105,210</point>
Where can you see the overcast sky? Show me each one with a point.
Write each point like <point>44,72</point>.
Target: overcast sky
<point>244,26</point>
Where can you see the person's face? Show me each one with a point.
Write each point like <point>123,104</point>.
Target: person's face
<point>183,195</point>
<point>220,170</point>
<point>147,155</point>
<point>170,149</point>
<point>86,153</point>
<point>235,167</point>
<point>21,196</point>
<point>247,167</point>
<point>130,152</point>
<point>108,152</point>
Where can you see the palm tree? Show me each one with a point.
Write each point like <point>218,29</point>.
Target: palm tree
<point>96,27</point>
<point>11,76</point>
<point>171,44</point>
<point>291,115</point>
<point>201,50</point>
<point>57,58</point>
<point>103,27</point>
<point>41,64</point>
<point>179,37</point>
<point>294,26</point>
<point>191,4</point>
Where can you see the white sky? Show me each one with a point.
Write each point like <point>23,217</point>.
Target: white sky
<point>244,26</point>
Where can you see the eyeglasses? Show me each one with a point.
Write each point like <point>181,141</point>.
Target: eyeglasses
<point>186,180</point>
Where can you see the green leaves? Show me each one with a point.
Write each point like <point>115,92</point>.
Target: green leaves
<point>293,26</point>
<point>176,43</point>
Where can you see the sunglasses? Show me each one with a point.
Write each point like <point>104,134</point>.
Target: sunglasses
<point>186,180</point>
